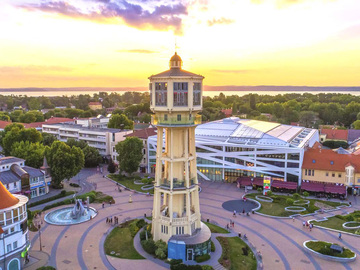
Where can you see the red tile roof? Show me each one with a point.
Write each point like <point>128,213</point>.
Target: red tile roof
<point>328,160</point>
<point>143,133</point>
<point>94,103</point>
<point>52,120</point>
<point>335,134</point>
<point>227,111</point>
<point>7,199</point>
<point>3,124</point>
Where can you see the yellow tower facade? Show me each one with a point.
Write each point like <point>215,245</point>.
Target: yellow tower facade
<point>176,99</point>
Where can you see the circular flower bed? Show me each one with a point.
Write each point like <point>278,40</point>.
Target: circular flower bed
<point>301,202</point>
<point>138,182</point>
<point>264,198</point>
<point>147,187</point>
<point>324,251</point>
<point>295,209</point>
<point>351,225</point>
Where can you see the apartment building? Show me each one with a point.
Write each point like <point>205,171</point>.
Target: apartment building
<point>103,139</point>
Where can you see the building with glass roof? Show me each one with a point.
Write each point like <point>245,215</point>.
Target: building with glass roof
<point>232,147</point>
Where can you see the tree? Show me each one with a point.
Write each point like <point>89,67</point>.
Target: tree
<point>92,156</point>
<point>356,124</point>
<point>307,118</point>
<point>4,117</point>
<point>111,167</point>
<point>129,154</point>
<point>64,161</point>
<point>48,139</point>
<point>234,109</point>
<point>16,133</point>
<point>120,121</point>
<point>72,142</point>
<point>252,102</point>
<point>33,153</point>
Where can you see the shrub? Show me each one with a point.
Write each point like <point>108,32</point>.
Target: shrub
<point>306,194</point>
<point>144,181</point>
<point>202,258</point>
<point>149,246</point>
<point>46,268</point>
<point>245,251</point>
<point>212,246</point>
<point>160,253</point>
<point>207,267</point>
<point>185,267</point>
<point>259,189</point>
<point>74,185</point>
<point>175,261</point>
<point>296,196</point>
<point>140,223</point>
<point>269,193</point>
<point>143,235</point>
<point>63,192</point>
<point>289,201</point>
<point>349,218</point>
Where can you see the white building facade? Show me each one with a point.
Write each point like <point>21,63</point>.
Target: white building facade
<point>102,139</point>
<point>230,148</point>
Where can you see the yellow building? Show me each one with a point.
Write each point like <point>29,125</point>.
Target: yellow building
<point>335,169</point>
<point>95,106</point>
<point>175,98</point>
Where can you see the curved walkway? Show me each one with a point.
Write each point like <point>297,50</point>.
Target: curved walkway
<point>278,240</point>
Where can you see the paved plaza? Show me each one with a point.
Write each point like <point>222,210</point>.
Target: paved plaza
<point>279,240</point>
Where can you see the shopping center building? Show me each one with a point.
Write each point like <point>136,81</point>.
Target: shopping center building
<point>231,148</point>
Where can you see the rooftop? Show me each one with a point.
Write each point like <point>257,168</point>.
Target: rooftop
<point>80,127</point>
<point>7,199</point>
<point>143,133</point>
<point>329,160</point>
<point>253,132</point>
<point>8,160</point>
<point>335,134</point>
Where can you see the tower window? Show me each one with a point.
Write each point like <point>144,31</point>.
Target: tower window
<point>161,94</point>
<point>180,93</point>
<point>179,117</point>
<point>197,94</point>
<point>165,117</point>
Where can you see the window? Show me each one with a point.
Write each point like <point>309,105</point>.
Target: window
<point>190,116</point>
<point>179,117</point>
<point>150,89</point>
<point>165,117</point>
<point>15,245</point>
<point>14,184</point>
<point>312,172</point>
<point>305,171</point>
<point>327,174</point>
<point>339,174</point>
<point>8,248</point>
<point>180,94</point>
<point>12,229</point>
<point>161,94</point>
<point>333,175</point>
<point>197,94</point>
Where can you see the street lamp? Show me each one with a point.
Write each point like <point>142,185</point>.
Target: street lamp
<point>39,228</point>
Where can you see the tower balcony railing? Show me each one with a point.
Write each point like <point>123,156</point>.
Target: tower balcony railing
<point>173,120</point>
<point>177,184</point>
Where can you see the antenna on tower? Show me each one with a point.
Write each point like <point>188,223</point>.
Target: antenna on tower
<point>176,47</point>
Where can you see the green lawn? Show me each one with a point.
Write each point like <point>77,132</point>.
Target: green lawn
<point>119,243</point>
<point>337,221</point>
<point>129,183</point>
<point>324,248</point>
<point>215,229</point>
<point>233,257</point>
<point>277,207</point>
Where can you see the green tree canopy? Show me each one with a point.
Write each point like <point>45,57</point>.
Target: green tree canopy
<point>356,124</point>
<point>4,116</point>
<point>16,133</point>
<point>129,154</point>
<point>33,153</point>
<point>92,157</point>
<point>120,121</point>
<point>48,139</point>
<point>64,161</point>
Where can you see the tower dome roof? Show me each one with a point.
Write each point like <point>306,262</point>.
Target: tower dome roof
<point>175,57</point>
<point>7,199</point>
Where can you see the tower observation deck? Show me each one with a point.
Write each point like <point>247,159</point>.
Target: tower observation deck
<point>176,99</point>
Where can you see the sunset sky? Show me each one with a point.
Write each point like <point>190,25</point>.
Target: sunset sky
<point>118,43</point>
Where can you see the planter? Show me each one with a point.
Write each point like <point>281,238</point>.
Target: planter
<point>296,209</point>
<point>345,225</point>
<point>301,202</point>
<point>328,257</point>
<point>264,198</point>
<point>147,187</point>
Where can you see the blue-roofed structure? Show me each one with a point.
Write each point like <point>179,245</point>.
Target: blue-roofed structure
<point>234,147</point>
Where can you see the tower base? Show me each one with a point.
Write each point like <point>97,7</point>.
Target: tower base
<point>187,247</point>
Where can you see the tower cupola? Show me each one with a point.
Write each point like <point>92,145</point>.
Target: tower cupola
<point>175,61</point>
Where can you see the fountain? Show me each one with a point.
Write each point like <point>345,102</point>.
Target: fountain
<point>71,215</point>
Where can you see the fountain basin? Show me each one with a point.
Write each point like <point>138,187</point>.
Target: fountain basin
<point>63,216</point>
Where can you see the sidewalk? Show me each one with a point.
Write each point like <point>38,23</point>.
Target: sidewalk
<point>37,259</point>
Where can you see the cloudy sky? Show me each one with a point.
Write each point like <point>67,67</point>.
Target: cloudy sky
<point>117,43</point>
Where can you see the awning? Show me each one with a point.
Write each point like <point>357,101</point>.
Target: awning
<point>335,189</point>
<point>312,186</point>
<point>258,181</point>
<point>244,181</point>
<point>282,184</point>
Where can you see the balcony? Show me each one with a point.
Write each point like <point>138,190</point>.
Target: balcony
<point>177,184</point>
<point>172,120</point>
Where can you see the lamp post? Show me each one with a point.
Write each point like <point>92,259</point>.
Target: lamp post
<point>39,228</point>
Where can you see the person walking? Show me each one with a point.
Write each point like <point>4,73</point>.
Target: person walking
<point>310,226</point>
<point>304,224</point>
<point>340,235</point>
<point>103,205</point>
<point>293,219</point>
<point>234,214</point>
